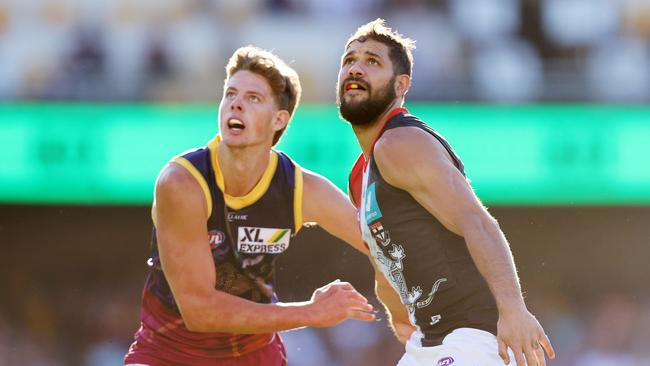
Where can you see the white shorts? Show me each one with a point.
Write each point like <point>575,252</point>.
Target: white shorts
<point>462,347</point>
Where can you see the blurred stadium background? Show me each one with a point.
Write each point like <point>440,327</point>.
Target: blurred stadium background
<point>546,101</point>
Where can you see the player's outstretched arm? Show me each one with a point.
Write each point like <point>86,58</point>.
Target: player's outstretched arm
<point>325,204</point>
<point>180,213</point>
<point>416,162</point>
<point>330,208</point>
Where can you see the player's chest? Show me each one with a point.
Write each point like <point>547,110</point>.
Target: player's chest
<point>250,233</point>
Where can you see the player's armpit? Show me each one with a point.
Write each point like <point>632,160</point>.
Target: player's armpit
<point>398,317</point>
<point>328,206</point>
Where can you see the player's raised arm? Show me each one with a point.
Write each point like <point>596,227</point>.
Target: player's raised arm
<point>413,160</point>
<point>180,214</point>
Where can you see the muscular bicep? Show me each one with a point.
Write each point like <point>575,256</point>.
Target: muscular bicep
<point>180,216</point>
<point>416,162</point>
<point>330,208</point>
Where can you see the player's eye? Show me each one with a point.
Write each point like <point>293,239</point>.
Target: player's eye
<point>254,98</point>
<point>373,61</point>
<point>229,94</point>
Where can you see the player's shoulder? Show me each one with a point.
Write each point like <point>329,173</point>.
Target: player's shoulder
<point>175,178</point>
<point>314,181</point>
<point>404,142</point>
<point>285,163</point>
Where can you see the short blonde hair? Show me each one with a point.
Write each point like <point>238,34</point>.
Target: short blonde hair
<point>283,80</point>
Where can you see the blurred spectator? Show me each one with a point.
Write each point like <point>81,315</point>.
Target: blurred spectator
<point>336,8</point>
<point>83,77</point>
<point>235,15</point>
<point>619,70</point>
<point>280,6</point>
<point>611,333</point>
<point>158,65</point>
<point>509,72</point>
<point>439,65</point>
<point>576,23</point>
<point>111,324</point>
<point>636,17</point>
<point>486,20</point>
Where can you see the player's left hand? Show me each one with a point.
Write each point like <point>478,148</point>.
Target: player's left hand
<point>520,331</point>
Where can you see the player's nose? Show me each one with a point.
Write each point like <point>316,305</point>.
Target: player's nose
<point>355,70</point>
<point>236,104</point>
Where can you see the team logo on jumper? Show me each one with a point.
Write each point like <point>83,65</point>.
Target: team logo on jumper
<point>379,233</point>
<point>262,240</point>
<point>446,361</point>
<point>215,238</point>
<point>372,207</point>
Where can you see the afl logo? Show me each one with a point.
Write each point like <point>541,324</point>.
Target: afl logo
<point>445,361</point>
<point>215,238</point>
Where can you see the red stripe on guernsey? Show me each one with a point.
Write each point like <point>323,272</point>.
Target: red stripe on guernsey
<point>356,174</point>
<point>356,180</point>
<point>163,339</point>
<point>392,114</point>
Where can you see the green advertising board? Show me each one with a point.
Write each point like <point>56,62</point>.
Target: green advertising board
<point>514,155</point>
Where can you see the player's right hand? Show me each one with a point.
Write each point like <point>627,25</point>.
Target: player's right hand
<point>336,302</point>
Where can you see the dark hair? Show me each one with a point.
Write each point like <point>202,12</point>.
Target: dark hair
<point>283,80</point>
<point>399,46</point>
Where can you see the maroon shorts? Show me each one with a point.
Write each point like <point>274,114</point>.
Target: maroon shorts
<point>272,354</point>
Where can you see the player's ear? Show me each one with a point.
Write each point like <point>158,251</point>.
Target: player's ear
<point>402,85</point>
<point>280,119</point>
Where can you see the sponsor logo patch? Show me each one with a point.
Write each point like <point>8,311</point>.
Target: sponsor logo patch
<point>215,238</point>
<point>262,240</point>
<point>373,212</point>
<point>445,361</point>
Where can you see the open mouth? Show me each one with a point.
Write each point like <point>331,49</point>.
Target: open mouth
<point>236,124</point>
<point>353,85</point>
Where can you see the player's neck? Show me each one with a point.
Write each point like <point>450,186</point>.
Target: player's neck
<point>367,134</point>
<point>242,168</point>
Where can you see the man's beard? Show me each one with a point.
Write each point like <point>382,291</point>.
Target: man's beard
<point>360,113</point>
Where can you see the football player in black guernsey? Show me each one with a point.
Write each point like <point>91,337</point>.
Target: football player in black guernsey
<point>444,269</point>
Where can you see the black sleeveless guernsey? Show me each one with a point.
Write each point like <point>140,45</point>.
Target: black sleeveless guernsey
<point>429,266</point>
